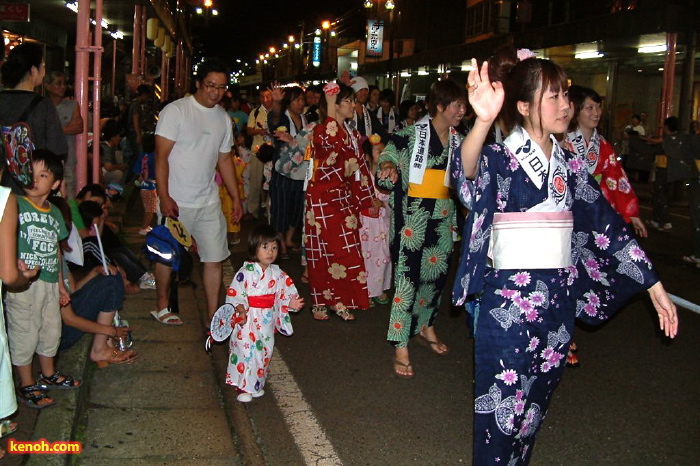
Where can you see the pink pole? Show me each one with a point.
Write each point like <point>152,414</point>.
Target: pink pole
<point>82,60</point>
<point>96,88</point>
<point>114,67</point>
<point>163,76</point>
<point>136,48</point>
<point>142,41</point>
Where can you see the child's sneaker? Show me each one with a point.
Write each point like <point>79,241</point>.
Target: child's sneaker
<point>244,397</point>
<point>147,281</point>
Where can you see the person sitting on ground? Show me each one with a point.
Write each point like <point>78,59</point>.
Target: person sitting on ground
<point>136,275</point>
<point>94,298</point>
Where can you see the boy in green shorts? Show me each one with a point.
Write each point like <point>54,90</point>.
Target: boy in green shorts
<point>33,312</point>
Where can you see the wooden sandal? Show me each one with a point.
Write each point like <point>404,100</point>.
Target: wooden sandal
<point>320,312</point>
<point>344,314</point>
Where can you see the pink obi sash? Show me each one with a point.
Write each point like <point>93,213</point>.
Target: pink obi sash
<point>265,301</point>
<point>531,240</point>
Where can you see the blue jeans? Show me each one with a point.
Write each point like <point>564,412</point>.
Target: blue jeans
<point>104,293</point>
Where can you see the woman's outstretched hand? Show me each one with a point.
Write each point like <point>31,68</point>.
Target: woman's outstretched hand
<point>485,97</point>
<point>668,319</point>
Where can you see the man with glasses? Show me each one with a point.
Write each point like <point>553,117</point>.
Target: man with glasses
<point>193,138</point>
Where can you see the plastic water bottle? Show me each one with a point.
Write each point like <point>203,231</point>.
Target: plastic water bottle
<point>126,342</point>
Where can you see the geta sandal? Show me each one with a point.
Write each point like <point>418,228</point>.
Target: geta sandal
<point>572,360</point>
<point>344,314</point>
<point>381,301</point>
<point>319,312</point>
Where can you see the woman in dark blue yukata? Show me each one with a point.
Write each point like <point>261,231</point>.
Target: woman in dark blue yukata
<point>542,248</point>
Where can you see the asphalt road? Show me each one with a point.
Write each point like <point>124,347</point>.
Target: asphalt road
<point>332,397</point>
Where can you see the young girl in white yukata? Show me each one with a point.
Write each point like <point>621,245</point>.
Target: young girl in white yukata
<point>262,295</point>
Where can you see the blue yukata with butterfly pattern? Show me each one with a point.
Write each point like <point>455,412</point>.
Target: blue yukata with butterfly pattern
<point>524,319</point>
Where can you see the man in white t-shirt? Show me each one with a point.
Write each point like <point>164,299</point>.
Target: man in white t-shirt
<point>257,127</point>
<point>193,138</point>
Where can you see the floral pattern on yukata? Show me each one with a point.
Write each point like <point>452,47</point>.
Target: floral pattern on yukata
<point>610,175</point>
<point>421,239</point>
<point>523,319</point>
<point>338,192</point>
<point>252,343</point>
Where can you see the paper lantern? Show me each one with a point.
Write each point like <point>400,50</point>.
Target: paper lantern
<point>152,28</point>
<point>167,45</point>
<point>160,38</point>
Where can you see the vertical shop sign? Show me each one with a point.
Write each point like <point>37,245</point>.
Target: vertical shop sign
<point>375,38</point>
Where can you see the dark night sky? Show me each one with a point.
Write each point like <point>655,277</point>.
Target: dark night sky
<point>244,28</point>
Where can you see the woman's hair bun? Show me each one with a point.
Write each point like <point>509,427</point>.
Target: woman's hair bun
<point>503,60</point>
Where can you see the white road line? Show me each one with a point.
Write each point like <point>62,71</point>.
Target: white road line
<point>303,425</point>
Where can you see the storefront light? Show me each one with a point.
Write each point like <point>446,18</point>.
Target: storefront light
<point>588,55</point>
<point>658,48</point>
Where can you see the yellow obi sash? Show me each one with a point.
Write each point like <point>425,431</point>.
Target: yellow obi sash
<point>433,186</point>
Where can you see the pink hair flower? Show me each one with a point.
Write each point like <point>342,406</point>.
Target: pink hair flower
<point>524,54</point>
<point>331,88</point>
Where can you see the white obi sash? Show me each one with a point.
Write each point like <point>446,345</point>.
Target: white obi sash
<point>531,240</point>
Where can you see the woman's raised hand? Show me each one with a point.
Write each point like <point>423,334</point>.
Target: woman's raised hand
<point>485,97</point>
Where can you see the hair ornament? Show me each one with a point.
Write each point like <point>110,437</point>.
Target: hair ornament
<point>331,88</point>
<point>524,54</point>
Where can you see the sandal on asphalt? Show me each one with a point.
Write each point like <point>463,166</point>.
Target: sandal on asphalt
<point>57,381</point>
<point>435,346</point>
<point>344,314</point>
<point>118,357</point>
<point>572,360</point>
<point>8,427</point>
<point>28,396</point>
<point>164,316</point>
<point>382,301</point>
<point>320,312</point>
<point>403,369</point>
